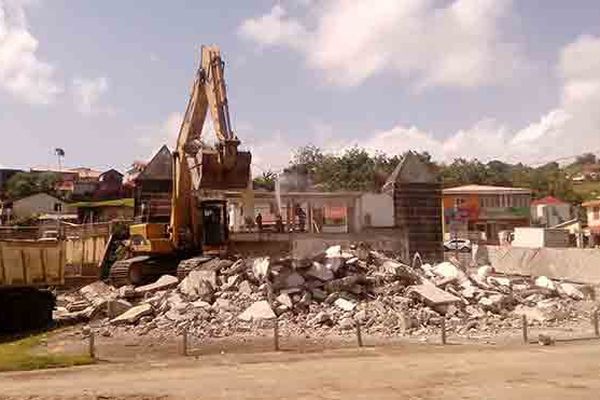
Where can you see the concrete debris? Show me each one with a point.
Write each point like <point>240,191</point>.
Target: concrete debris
<point>257,311</point>
<point>345,304</point>
<point>132,315</point>
<point>163,283</point>
<point>326,294</point>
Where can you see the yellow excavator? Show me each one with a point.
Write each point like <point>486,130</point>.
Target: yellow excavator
<point>201,174</point>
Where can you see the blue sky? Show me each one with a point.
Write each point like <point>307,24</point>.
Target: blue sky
<point>108,80</point>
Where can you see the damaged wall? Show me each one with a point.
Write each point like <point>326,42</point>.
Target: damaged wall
<point>578,265</point>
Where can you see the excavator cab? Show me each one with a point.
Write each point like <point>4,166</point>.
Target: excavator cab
<point>215,227</point>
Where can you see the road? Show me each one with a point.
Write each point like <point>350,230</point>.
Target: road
<point>564,371</point>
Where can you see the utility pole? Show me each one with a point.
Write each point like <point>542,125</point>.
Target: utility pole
<point>60,154</point>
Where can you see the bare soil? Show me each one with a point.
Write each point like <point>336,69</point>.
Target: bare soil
<point>399,370</point>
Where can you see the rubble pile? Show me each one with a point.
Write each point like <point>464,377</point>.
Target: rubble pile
<point>327,294</point>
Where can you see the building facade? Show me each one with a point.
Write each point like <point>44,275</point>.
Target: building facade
<point>482,212</point>
<point>549,211</point>
<point>592,209</point>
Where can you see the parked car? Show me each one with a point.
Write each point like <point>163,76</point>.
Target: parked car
<point>462,245</point>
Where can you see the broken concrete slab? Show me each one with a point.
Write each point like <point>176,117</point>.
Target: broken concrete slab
<point>132,315</point>
<point>571,291</point>
<point>293,280</point>
<point>320,271</point>
<point>344,304</point>
<point>96,292</point>
<point>163,283</point>
<point>198,285</point>
<point>245,287</point>
<point>545,283</point>
<point>114,308</point>
<point>432,295</point>
<point>260,310</point>
<point>285,300</point>
<point>260,267</point>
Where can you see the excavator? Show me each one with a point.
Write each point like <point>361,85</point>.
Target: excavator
<point>201,174</point>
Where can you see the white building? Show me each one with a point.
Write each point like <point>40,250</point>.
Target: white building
<point>37,204</point>
<point>550,211</point>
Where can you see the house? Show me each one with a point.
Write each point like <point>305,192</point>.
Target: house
<point>104,211</point>
<point>37,204</point>
<point>152,187</point>
<point>110,185</point>
<point>549,211</point>
<point>483,211</point>
<point>592,209</point>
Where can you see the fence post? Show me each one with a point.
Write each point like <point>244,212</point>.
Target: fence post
<point>524,326</point>
<point>443,331</point>
<point>276,335</point>
<point>92,345</point>
<point>359,335</point>
<point>184,342</point>
<point>595,322</point>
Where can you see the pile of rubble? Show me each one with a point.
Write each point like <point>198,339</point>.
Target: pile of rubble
<point>327,294</point>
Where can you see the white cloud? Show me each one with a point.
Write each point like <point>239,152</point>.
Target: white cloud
<point>571,128</point>
<point>458,45</point>
<point>87,94</point>
<point>153,137</point>
<point>22,73</point>
<point>274,28</point>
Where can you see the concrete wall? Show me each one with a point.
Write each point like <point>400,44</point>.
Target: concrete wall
<point>541,237</point>
<point>377,210</point>
<point>573,264</point>
<point>551,214</point>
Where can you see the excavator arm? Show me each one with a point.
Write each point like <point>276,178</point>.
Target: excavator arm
<point>196,166</point>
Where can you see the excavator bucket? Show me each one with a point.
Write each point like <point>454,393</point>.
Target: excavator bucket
<point>215,176</point>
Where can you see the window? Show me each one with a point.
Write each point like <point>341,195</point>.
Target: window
<point>596,211</point>
<point>459,201</point>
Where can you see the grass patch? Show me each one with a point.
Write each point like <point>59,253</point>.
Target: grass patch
<point>25,354</point>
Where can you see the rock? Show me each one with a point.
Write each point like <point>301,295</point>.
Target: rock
<point>343,284</point>
<point>484,271</point>
<point>346,324</point>
<point>432,295</point>
<point>260,268</point>
<point>96,292</point>
<point>132,315</point>
<point>496,303</point>
<point>114,308</point>
<point>344,304</point>
<point>126,292</point>
<point>320,271</point>
<point>545,283</point>
<point>545,310</point>
<point>163,283</point>
<point>545,340</point>
<point>498,281</point>
<point>260,310</point>
<point>245,288</point>
<point>77,305</point>
<point>318,294</point>
<point>334,251</point>
<point>571,290</point>
<point>284,299</point>
<point>294,280</point>
<point>196,286</point>
<point>330,299</point>
<point>321,318</point>
<point>200,304</point>
<point>223,305</point>
<point>334,263</point>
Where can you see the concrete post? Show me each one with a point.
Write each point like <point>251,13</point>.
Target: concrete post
<point>595,322</point>
<point>184,342</point>
<point>92,345</point>
<point>276,335</point>
<point>358,335</point>
<point>443,331</point>
<point>524,326</point>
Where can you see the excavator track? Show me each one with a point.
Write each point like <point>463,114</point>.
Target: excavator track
<point>140,270</point>
<point>186,266</point>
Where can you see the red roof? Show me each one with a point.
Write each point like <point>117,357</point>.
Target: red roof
<point>548,200</point>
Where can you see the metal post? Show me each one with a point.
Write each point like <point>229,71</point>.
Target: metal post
<point>443,331</point>
<point>276,335</point>
<point>358,335</point>
<point>595,322</point>
<point>524,325</point>
<point>184,342</point>
<point>92,345</point>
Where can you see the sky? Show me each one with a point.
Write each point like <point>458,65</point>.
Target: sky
<point>108,81</point>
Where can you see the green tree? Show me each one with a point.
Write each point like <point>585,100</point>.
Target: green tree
<point>265,182</point>
<point>23,184</point>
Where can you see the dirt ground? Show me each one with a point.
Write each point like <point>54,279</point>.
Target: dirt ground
<point>402,370</point>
